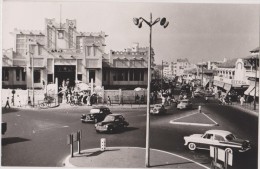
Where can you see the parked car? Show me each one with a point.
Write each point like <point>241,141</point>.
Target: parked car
<point>158,109</point>
<point>184,104</point>
<point>97,114</point>
<point>4,127</point>
<point>111,123</point>
<point>220,138</point>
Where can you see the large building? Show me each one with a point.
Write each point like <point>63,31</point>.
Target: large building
<point>126,69</point>
<point>59,51</point>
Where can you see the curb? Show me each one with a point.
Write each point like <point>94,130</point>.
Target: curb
<point>66,162</point>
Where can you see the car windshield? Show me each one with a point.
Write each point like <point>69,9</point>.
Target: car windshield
<point>158,105</point>
<point>184,102</point>
<point>109,118</point>
<point>230,137</point>
<point>94,110</point>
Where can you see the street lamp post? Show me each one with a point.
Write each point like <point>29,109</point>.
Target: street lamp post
<point>31,52</point>
<point>255,64</point>
<point>163,23</point>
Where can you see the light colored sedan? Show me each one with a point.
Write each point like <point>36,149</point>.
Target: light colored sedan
<point>184,104</point>
<point>219,138</point>
<point>158,109</point>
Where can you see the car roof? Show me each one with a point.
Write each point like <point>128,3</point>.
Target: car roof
<point>220,132</point>
<point>99,107</point>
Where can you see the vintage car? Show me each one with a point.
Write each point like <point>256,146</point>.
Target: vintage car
<point>184,104</point>
<point>97,114</point>
<point>220,138</point>
<point>112,122</point>
<point>158,109</point>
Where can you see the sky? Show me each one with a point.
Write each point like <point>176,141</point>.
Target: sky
<point>197,31</point>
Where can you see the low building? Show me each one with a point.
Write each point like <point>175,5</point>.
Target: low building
<point>126,69</point>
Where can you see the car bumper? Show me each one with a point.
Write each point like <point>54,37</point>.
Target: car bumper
<point>244,150</point>
<point>87,120</point>
<point>101,128</point>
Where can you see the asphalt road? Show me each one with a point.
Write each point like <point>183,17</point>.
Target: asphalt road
<point>39,137</point>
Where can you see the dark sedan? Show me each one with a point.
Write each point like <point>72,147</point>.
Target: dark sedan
<point>112,122</point>
<point>96,114</point>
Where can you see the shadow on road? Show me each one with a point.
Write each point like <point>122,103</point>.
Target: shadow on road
<point>11,110</point>
<point>96,153</point>
<point>11,140</point>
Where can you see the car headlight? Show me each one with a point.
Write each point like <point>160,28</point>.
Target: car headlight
<point>106,126</point>
<point>96,125</point>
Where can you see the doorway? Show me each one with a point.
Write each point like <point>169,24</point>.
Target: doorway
<point>65,73</point>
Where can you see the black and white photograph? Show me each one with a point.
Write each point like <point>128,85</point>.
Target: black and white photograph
<point>130,84</point>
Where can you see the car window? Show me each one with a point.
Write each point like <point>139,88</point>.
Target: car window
<point>94,111</point>
<point>219,138</point>
<point>208,136</point>
<point>230,137</point>
<point>109,118</point>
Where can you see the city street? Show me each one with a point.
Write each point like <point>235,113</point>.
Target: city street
<point>39,137</point>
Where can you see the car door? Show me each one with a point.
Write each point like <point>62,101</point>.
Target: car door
<point>208,139</point>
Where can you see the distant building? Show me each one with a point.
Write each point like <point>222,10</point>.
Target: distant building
<point>233,76</point>
<point>59,51</point>
<point>126,69</point>
<point>179,66</point>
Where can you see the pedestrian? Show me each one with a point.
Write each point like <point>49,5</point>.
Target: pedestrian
<point>137,99</point>
<point>29,101</point>
<point>7,103</point>
<point>242,100</point>
<point>108,101</point>
<point>12,100</point>
<point>88,100</point>
<point>19,101</point>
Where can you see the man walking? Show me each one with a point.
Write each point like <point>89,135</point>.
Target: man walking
<point>7,103</point>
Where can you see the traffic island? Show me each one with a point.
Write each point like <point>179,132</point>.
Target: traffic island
<point>128,157</point>
<point>196,119</point>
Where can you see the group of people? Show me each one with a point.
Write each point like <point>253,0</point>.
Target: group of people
<point>7,104</point>
<point>76,97</point>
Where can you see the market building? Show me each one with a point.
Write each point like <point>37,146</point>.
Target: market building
<point>232,76</point>
<point>126,69</point>
<point>60,52</point>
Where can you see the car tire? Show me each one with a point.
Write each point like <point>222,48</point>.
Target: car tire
<point>95,120</point>
<point>97,131</point>
<point>192,146</point>
<point>110,130</point>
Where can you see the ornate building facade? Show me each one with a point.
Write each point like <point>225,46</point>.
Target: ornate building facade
<point>59,52</point>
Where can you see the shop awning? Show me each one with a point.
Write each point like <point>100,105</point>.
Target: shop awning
<point>218,83</point>
<point>252,93</point>
<point>227,87</point>
<point>249,89</point>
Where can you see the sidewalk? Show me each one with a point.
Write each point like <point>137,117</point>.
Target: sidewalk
<point>128,157</point>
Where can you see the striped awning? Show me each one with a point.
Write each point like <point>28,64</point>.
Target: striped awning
<point>249,89</point>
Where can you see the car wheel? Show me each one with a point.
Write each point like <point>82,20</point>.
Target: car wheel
<point>192,146</point>
<point>97,131</point>
<point>110,130</point>
<point>95,120</point>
